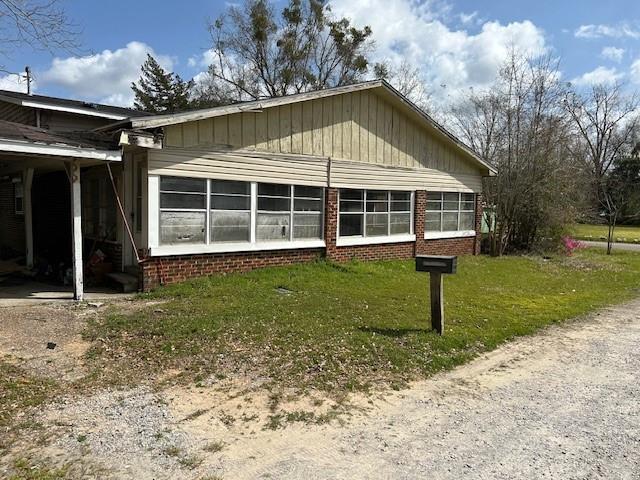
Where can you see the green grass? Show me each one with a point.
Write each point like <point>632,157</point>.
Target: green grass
<point>623,234</point>
<point>351,326</point>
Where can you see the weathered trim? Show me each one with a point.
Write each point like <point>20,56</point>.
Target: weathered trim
<point>15,146</point>
<point>58,108</point>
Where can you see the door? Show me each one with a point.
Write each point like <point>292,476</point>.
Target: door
<point>136,207</point>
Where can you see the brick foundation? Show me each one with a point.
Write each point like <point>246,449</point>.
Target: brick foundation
<point>158,271</point>
<point>171,269</point>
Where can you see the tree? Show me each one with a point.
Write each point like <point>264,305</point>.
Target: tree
<point>605,120</point>
<point>260,54</point>
<point>159,91</point>
<point>620,196</point>
<point>407,79</point>
<point>520,126</point>
<point>39,24</point>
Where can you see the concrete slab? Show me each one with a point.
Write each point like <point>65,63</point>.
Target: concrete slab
<point>27,292</point>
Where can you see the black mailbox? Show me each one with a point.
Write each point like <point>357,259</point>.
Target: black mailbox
<point>436,263</point>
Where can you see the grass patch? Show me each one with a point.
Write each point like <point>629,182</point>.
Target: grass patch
<point>352,326</point>
<point>622,233</point>
<point>25,470</point>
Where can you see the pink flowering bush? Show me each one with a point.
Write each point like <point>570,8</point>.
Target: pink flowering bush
<point>571,244</point>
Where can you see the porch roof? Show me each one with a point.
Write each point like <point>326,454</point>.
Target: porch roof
<point>16,138</point>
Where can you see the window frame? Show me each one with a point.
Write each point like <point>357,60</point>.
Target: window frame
<point>364,239</point>
<point>431,234</point>
<point>253,244</point>
<point>18,193</point>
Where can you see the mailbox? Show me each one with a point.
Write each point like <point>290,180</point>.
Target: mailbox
<point>436,263</point>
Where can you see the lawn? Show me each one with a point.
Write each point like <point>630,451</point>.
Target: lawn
<point>623,234</point>
<point>345,327</point>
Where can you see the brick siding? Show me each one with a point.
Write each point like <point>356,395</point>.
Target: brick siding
<point>157,271</point>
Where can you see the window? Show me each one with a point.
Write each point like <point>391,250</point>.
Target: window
<point>450,212</point>
<point>230,216</point>
<point>183,209</point>
<point>18,196</point>
<point>238,212</point>
<point>374,213</point>
<point>99,217</point>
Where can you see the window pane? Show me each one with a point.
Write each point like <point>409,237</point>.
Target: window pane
<point>307,205</point>
<point>181,200</point>
<point>400,196</point>
<point>400,206</point>
<point>434,206</point>
<point>274,204</point>
<point>434,196</point>
<point>230,226</point>
<point>449,221</point>
<point>181,227</point>
<point>348,194</point>
<point>468,197</point>
<point>273,190</point>
<point>223,202</point>
<point>433,223</point>
<point>308,192</point>
<point>376,195</point>
<point>467,221</point>
<point>351,206</point>
<point>350,225</point>
<point>307,226</point>
<point>468,206</point>
<point>225,186</point>
<point>451,201</point>
<point>177,184</point>
<point>400,223</point>
<point>377,206</point>
<point>377,224</point>
<point>272,226</point>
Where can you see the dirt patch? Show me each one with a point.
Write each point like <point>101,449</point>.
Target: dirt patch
<point>46,339</point>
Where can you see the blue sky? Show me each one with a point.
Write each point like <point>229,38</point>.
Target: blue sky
<point>457,44</point>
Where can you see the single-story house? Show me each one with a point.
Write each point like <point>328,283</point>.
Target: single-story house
<point>350,172</point>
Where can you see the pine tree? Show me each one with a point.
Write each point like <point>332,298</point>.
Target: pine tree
<point>159,91</point>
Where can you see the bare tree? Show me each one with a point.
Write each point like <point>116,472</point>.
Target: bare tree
<point>261,54</point>
<point>408,80</point>
<point>519,125</point>
<point>39,24</point>
<point>606,121</point>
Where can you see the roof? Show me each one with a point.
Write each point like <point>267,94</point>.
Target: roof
<point>20,138</point>
<point>380,86</point>
<point>71,106</point>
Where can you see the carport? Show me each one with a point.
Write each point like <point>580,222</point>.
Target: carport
<point>27,151</point>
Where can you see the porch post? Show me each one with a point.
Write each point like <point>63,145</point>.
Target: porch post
<point>76,230</point>
<point>27,181</point>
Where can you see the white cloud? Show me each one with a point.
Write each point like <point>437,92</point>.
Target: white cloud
<point>602,30</point>
<point>635,71</point>
<point>612,53</point>
<point>404,29</point>
<point>104,76</point>
<point>468,18</point>
<point>202,60</point>
<point>15,82</point>
<point>598,76</point>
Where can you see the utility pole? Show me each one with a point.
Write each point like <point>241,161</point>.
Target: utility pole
<point>27,72</point>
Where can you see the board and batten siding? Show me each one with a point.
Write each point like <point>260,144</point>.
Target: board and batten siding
<point>359,126</point>
<point>300,170</point>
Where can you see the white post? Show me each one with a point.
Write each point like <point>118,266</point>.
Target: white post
<point>27,181</point>
<point>76,229</point>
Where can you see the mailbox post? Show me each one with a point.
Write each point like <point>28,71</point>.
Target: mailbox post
<point>436,265</point>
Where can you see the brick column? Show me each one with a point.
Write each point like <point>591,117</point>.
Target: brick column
<point>478,226</point>
<point>331,221</point>
<point>419,208</point>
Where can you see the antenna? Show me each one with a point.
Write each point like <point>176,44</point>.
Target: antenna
<point>27,72</point>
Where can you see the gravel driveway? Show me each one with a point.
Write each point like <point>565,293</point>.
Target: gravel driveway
<point>564,404</point>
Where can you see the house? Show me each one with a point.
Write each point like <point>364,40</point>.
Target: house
<point>350,172</point>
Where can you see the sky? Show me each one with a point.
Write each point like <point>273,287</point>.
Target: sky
<point>456,44</point>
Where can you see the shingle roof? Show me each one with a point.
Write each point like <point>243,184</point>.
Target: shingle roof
<point>27,133</point>
<point>89,107</point>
